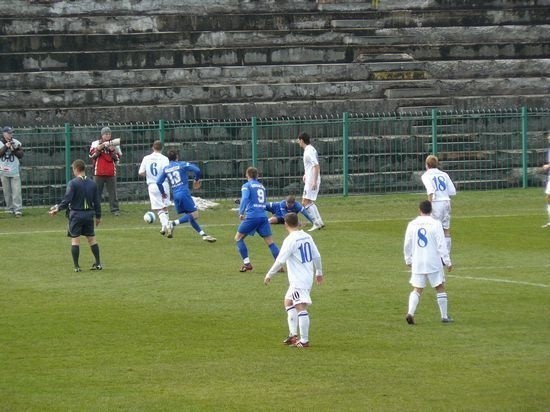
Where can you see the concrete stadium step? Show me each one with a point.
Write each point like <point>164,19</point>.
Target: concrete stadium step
<point>194,75</point>
<point>443,18</point>
<point>272,92</point>
<point>100,7</point>
<point>397,92</point>
<point>408,70</point>
<point>290,108</point>
<point>240,38</point>
<point>152,22</point>
<point>457,35</point>
<point>174,58</point>
<point>176,40</point>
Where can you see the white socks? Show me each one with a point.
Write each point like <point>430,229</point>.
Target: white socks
<point>292,318</point>
<point>163,217</point>
<point>303,322</point>
<point>414,299</point>
<point>442,302</point>
<point>314,213</point>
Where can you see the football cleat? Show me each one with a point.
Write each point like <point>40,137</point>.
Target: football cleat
<point>208,238</point>
<point>291,340</point>
<point>169,229</point>
<point>163,231</point>
<point>77,269</point>
<point>546,225</point>
<point>448,319</point>
<point>96,266</point>
<point>410,319</point>
<point>300,344</point>
<point>246,267</point>
<point>315,227</point>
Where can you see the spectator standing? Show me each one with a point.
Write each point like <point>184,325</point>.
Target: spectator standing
<point>426,252</point>
<point>312,180</point>
<point>439,188</point>
<point>546,167</point>
<point>105,154</point>
<point>253,217</point>
<point>176,174</point>
<point>10,165</point>
<point>303,261</point>
<point>84,203</point>
<point>151,166</point>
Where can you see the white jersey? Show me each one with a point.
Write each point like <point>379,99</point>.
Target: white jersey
<point>438,184</point>
<point>310,161</point>
<point>298,252</point>
<point>425,246</point>
<point>152,165</point>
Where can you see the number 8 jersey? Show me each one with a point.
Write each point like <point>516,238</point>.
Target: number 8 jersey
<point>425,246</point>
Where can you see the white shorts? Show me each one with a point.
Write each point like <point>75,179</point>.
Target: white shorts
<point>547,191</point>
<point>298,296</point>
<point>441,211</point>
<point>419,280</point>
<point>310,193</point>
<point>157,202</point>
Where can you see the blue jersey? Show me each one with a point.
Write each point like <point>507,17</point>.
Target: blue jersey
<point>280,209</point>
<point>176,173</point>
<point>253,199</point>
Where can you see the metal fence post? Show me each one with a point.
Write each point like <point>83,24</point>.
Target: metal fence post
<point>68,174</point>
<point>434,132</point>
<point>162,131</point>
<point>524,145</point>
<point>254,142</point>
<point>345,149</point>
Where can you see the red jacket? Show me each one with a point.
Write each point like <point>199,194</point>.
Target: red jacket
<point>105,159</point>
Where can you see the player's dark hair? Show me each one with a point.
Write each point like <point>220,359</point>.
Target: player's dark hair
<point>291,219</point>
<point>425,207</point>
<point>79,165</point>
<point>291,199</point>
<point>304,137</point>
<point>157,145</point>
<point>172,155</point>
<point>252,172</point>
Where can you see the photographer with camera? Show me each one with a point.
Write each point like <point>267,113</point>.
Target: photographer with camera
<point>10,154</point>
<point>105,153</point>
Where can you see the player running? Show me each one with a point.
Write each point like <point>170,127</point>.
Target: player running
<point>176,173</point>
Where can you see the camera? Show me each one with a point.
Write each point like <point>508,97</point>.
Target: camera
<point>113,142</point>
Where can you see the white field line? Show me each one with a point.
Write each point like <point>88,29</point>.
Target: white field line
<point>236,223</point>
<point>481,279</point>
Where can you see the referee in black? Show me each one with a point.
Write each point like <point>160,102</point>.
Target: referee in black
<point>84,203</point>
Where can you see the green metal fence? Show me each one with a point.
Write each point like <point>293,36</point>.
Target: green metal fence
<point>359,153</point>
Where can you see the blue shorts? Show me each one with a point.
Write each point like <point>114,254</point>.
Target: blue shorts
<point>184,204</point>
<point>249,226</point>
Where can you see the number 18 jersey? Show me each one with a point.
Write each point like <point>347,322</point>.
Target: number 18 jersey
<point>438,184</point>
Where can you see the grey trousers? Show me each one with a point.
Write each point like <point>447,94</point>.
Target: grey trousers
<point>110,182</point>
<point>12,193</point>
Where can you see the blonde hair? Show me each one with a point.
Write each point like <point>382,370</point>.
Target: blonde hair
<point>432,162</point>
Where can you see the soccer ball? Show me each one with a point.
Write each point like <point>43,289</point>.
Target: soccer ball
<point>149,217</point>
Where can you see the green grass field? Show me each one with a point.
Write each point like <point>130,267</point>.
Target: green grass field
<point>171,325</point>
